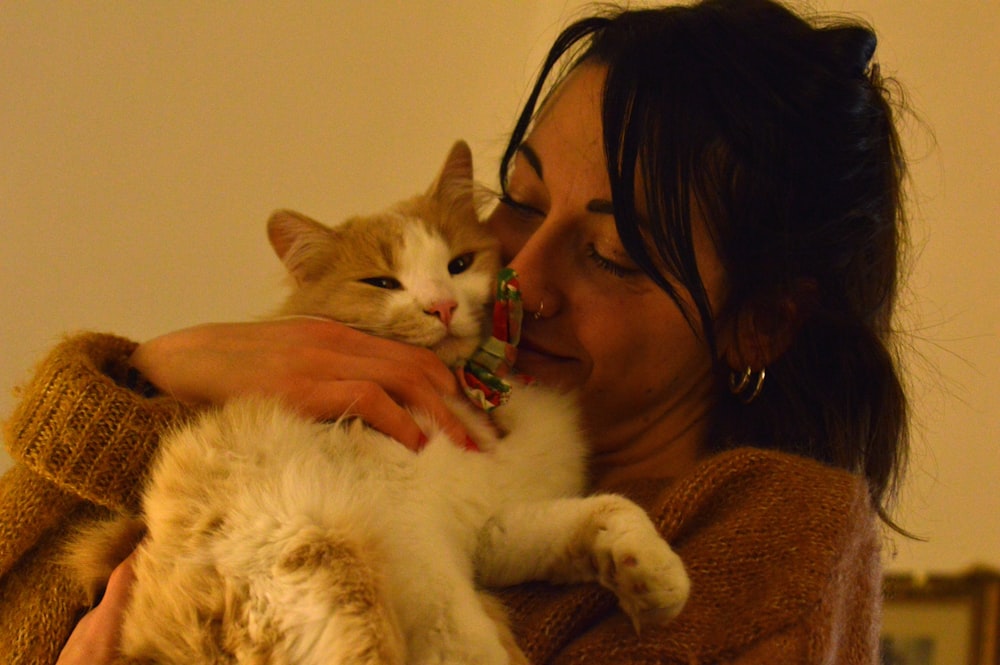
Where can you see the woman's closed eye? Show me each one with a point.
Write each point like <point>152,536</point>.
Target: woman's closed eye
<point>529,213</point>
<point>522,210</point>
<point>609,265</point>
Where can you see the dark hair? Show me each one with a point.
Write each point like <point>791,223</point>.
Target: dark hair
<point>781,132</point>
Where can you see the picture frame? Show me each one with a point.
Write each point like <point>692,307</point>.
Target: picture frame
<point>941,619</point>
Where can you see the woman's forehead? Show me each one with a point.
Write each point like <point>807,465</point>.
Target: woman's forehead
<point>568,131</point>
<point>575,104</point>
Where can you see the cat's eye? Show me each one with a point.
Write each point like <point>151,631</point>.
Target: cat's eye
<point>461,263</point>
<point>389,283</point>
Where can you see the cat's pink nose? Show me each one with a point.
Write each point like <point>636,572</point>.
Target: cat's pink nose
<point>443,309</point>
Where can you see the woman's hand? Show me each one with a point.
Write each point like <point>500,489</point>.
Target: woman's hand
<point>322,368</point>
<point>96,638</point>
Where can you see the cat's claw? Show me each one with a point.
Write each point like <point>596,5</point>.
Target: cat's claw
<point>637,564</point>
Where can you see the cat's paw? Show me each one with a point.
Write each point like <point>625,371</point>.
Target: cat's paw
<point>633,560</point>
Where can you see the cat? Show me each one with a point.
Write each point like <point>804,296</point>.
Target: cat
<point>271,538</point>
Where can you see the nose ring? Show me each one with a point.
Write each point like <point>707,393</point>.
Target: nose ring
<point>538,313</point>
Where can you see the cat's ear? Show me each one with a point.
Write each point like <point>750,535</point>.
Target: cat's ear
<point>299,242</point>
<point>454,182</point>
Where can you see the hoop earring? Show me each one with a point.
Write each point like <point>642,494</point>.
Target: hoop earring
<point>538,313</point>
<point>745,386</point>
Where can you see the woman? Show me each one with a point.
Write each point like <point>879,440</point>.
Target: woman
<point>705,216</point>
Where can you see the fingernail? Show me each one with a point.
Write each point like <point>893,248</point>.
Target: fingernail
<point>470,444</point>
<point>421,442</point>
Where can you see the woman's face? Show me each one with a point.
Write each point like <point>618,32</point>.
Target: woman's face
<point>600,326</point>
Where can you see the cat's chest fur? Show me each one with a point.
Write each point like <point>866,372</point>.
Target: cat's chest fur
<point>255,458</point>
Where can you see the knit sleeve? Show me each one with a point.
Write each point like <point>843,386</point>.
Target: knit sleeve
<point>783,556</point>
<point>85,421</point>
<point>82,434</point>
<point>781,548</point>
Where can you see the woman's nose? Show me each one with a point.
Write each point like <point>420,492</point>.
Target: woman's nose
<point>537,265</point>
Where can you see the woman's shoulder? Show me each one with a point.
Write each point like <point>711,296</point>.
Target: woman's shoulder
<point>770,489</point>
<point>749,475</point>
<point>777,547</point>
<point>766,504</point>
<point>783,557</point>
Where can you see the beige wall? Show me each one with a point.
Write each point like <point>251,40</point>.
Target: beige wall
<point>144,144</point>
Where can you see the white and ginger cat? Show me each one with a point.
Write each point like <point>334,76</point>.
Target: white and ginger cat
<point>270,538</point>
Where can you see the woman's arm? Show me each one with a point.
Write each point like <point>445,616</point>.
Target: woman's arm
<point>320,367</point>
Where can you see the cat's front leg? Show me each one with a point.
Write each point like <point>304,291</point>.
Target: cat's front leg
<point>604,538</point>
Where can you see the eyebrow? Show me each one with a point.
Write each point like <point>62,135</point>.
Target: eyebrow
<point>532,158</point>
<point>599,206</point>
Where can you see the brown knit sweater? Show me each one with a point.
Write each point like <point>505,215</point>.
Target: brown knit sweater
<point>783,553</point>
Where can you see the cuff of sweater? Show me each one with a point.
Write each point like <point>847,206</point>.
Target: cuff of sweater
<point>85,422</point>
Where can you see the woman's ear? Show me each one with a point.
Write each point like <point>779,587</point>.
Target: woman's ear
<point>762,330</point>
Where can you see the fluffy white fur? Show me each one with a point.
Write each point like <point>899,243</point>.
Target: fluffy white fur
<point>275,539</point>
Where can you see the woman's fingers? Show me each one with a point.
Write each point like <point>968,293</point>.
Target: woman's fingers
<point>96,638</point>
<point>370,402</point>
<point>410,361</point>
<point>119,589</point>
<point>378,399</point>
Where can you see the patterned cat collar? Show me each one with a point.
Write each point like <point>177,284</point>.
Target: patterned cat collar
<point>483,378</point>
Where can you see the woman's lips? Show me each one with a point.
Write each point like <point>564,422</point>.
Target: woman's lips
<point>548,367</point>
<point>531,348</point>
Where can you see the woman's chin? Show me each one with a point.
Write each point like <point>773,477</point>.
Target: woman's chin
<point>551,371</point>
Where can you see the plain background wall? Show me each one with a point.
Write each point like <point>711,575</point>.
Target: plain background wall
<point>143,145</point>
